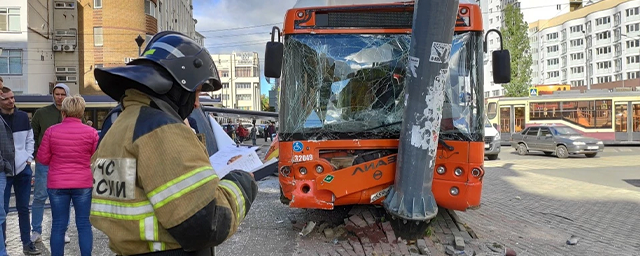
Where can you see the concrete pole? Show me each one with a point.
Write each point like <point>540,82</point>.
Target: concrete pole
<point>410,201</point>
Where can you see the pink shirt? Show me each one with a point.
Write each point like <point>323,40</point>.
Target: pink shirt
<point>67,148</point>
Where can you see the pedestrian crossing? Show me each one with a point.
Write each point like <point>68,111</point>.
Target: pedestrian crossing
<point>548,163</point>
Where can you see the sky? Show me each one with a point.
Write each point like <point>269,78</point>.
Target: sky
<point>239,25</point>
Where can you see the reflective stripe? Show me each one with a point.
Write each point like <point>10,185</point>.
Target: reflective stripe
<point>239,197</point>
<point>169,48</point>
<point>149,232</point>
<point>119,210</point>
<point>180,186</point>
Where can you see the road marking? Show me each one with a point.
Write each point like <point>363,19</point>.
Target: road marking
<point>551,164</point>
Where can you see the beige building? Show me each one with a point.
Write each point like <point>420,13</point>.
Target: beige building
<point>240,77</point>
<point>109,29</point>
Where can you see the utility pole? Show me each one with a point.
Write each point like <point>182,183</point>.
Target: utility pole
<point>410,202</point>
<point>587,60</point>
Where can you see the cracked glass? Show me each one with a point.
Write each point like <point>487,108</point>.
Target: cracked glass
<point>352,86</point>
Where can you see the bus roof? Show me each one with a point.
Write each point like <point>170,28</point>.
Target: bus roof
<point>573,95</point>
<point>328,3</point>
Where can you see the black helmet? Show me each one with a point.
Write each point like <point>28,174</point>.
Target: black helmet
<point>186,63</point>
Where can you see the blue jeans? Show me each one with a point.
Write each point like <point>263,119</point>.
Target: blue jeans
<point>3,214</point>
<point>39,197</point>
<point>22,186</point>
<point>60,210</point>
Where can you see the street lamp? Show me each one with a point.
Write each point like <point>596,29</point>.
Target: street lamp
<point>586,56</point>
<point>139,41</point>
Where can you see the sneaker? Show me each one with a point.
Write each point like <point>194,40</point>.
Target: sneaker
<point>67,239</point>
<point>36,237</point>
<point>30,249</point>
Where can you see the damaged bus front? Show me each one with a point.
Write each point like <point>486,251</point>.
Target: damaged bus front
<point>342,101</point>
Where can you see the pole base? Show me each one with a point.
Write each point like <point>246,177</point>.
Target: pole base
<point>409,229</point>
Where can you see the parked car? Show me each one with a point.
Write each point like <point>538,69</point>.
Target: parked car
<point>559,140</point>
<point>491,141</point>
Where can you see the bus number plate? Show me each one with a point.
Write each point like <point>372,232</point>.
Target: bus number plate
<point>302,158</point>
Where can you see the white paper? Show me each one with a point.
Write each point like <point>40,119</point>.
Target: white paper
<point>248,161</point>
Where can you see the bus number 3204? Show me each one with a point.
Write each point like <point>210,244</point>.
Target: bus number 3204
<point>302,158</point>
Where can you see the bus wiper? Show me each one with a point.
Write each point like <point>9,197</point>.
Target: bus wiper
<point>382,126</point>
<point>444,144</point>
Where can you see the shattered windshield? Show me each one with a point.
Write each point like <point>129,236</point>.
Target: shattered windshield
<point>348,86</point>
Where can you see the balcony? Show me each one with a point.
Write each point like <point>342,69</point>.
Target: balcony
<point>604,71</point>
<point>603,41</point>
<point>606,56</point>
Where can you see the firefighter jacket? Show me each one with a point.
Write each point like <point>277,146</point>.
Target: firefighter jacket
<point>152,175</point>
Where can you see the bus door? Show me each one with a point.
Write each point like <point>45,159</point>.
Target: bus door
<point>512,120</point>
<point>627,121</point>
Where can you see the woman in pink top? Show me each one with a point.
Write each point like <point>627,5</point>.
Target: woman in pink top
<point>67,148</point>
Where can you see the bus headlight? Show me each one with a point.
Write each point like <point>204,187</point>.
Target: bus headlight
<point>319,169</point>
<point>458,172</point>
<point>441,170</point>
<point>303,170</point>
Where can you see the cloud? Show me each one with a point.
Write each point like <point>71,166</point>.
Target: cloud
<point>239,25</point>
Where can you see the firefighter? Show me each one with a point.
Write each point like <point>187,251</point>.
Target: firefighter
<point>155,192</point>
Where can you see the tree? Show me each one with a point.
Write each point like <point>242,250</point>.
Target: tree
<point>264,102</point>
<point>516,40</point>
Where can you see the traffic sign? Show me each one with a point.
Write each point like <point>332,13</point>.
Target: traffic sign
<point>533,92</point>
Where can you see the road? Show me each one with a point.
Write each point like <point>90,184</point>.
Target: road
<point>531,203</point>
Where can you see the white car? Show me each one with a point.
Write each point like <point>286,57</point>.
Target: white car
<point>491,141</point>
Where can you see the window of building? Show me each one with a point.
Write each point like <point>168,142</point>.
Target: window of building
<point>577,83</point>
<point>552,36</point>
<point>576,29</point>
<point>577,56</point>
<point>633,75</point>
<point>633,27</point>
<point>604,64</point>
<point>150,8</point>
<point>633,43</point>
<point>243,96</point>
<point>603,35</point>
<point>243,85</point>
<point>603,21</point>
<point>603,50</point>
<point>11,62</point>
<point>553,48</point>
<point>553,74</point>
<point>243,71</point>
<point>98,39</point>
<point>10,19</point>
<point>604,79</point>
<point>225,73</point>
<point>97,4</point>
<point>633,11</point>
<point>577,70</point>
<point>225,85</point>
<point>633,59</point>
<point>553,62</point>
<point>577,42</point>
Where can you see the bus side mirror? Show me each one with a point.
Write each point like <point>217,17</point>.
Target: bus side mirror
<point>273,55</point>
<point>501,60</point>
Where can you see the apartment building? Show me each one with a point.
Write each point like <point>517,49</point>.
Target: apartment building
<point>38,44</point>
<point>110,28</point>
<point>493,18</point>
<point>240,75</point>
<point>599,43</point>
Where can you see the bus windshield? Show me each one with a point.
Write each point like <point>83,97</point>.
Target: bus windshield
<point>351,86</point>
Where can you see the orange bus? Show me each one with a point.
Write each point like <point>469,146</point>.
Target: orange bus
<point>342,99</point>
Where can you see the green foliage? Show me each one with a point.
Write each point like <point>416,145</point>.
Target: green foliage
<point>264,102</point>
<point>516,40</point>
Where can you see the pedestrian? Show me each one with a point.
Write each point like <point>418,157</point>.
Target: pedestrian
<point>254,134</point>
<point>42,119</point>
<point>171,201</point>
<point>67,148</point>
<point>18,121</point>
<point>7,165</point>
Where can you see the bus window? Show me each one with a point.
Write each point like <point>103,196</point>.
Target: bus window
<point>544,110</point>
<point>492,110</point>
<point>505,119</point>
<point>101,114</point>
<point>588,113</point>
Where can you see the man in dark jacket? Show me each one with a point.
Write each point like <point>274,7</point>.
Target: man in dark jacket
<point>7,164</point>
